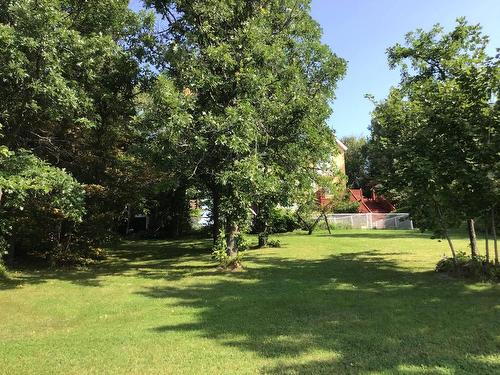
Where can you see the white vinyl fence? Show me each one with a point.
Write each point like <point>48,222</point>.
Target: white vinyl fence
<point>371,221</point>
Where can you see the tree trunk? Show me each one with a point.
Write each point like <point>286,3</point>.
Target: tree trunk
<point>180,210</point>
<point>231,234</point>
<point>445,231</point>
<point>472,237</point>
<point>452,248</point>
<point>129,218</point>
<point>486,240</point>
<point>263,239</point>
<point>494,235</point>
<point>11,255</point>
<point>215,216</point>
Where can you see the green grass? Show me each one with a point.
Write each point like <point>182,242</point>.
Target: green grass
<point>356,302</point>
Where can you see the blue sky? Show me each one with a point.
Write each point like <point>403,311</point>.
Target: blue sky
<point>361,30</point>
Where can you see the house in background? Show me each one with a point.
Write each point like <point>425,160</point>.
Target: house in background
<point>372,204</point>
<point>338,161</point>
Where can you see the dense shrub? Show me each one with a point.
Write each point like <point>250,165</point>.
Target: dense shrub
<point>281,220</point>
<point>219,252</point>
<point>465,266</point>
<point>3,271</point>
<point>346,207</point>
<point>41,205</point>
<point>274,243</point>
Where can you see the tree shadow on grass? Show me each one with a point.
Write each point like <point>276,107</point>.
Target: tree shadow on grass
<point>387,234</point>
<point>146,259</point>
<point>360,310</point>
<point>374,234</point>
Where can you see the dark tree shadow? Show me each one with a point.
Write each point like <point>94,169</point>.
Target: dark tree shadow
<point>375,315</point>
<point>386,234</point>
<point>146,259</point>
<point>372,315</point>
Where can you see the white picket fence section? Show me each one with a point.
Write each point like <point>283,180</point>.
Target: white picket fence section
<point>372,221</point>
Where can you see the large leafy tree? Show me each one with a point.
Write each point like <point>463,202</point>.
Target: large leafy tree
<point>34,195</point>
<point>70,72</point>
<point>253,81</point>
<point>435,137</point>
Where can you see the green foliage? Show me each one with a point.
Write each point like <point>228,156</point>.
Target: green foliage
<point>242,243</point>
<point>70,72</point>
<point>279,220</point>
<point>435,139</point>
<point>220,252</point>
<point>466,266</point>
<point>345,206</point>
<point>37,200</point>
<point>3,271</point>
<point>274,243</point>
<point>282,220</point>
<point>24,177</point>
<point>356,163</point>
<point>242,101</point>
<point>3,253</point>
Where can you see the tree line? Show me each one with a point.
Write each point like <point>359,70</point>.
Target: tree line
<point>105,112</point>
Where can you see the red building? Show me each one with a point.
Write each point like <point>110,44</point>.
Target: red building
<point>374,204</point>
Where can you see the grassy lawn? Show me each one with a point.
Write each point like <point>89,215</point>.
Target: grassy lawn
<point>356,302</point>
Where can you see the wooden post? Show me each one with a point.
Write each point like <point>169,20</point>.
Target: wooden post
<point>327,225</point>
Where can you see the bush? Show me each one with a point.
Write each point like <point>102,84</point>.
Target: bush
<point>274,243</point>
<point>346,207</point>
<point>41,206</point>
<point>242,243</point>
<point>3,271</point>
<point>225,261</point>
<point>465,266</point>
<point>280,220</point>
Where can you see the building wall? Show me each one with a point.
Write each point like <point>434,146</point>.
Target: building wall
<point>339,160</point>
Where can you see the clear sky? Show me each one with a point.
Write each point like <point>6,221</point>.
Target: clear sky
<point>361,30</point>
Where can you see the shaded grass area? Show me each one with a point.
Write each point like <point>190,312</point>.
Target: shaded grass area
<point>355,302</point>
